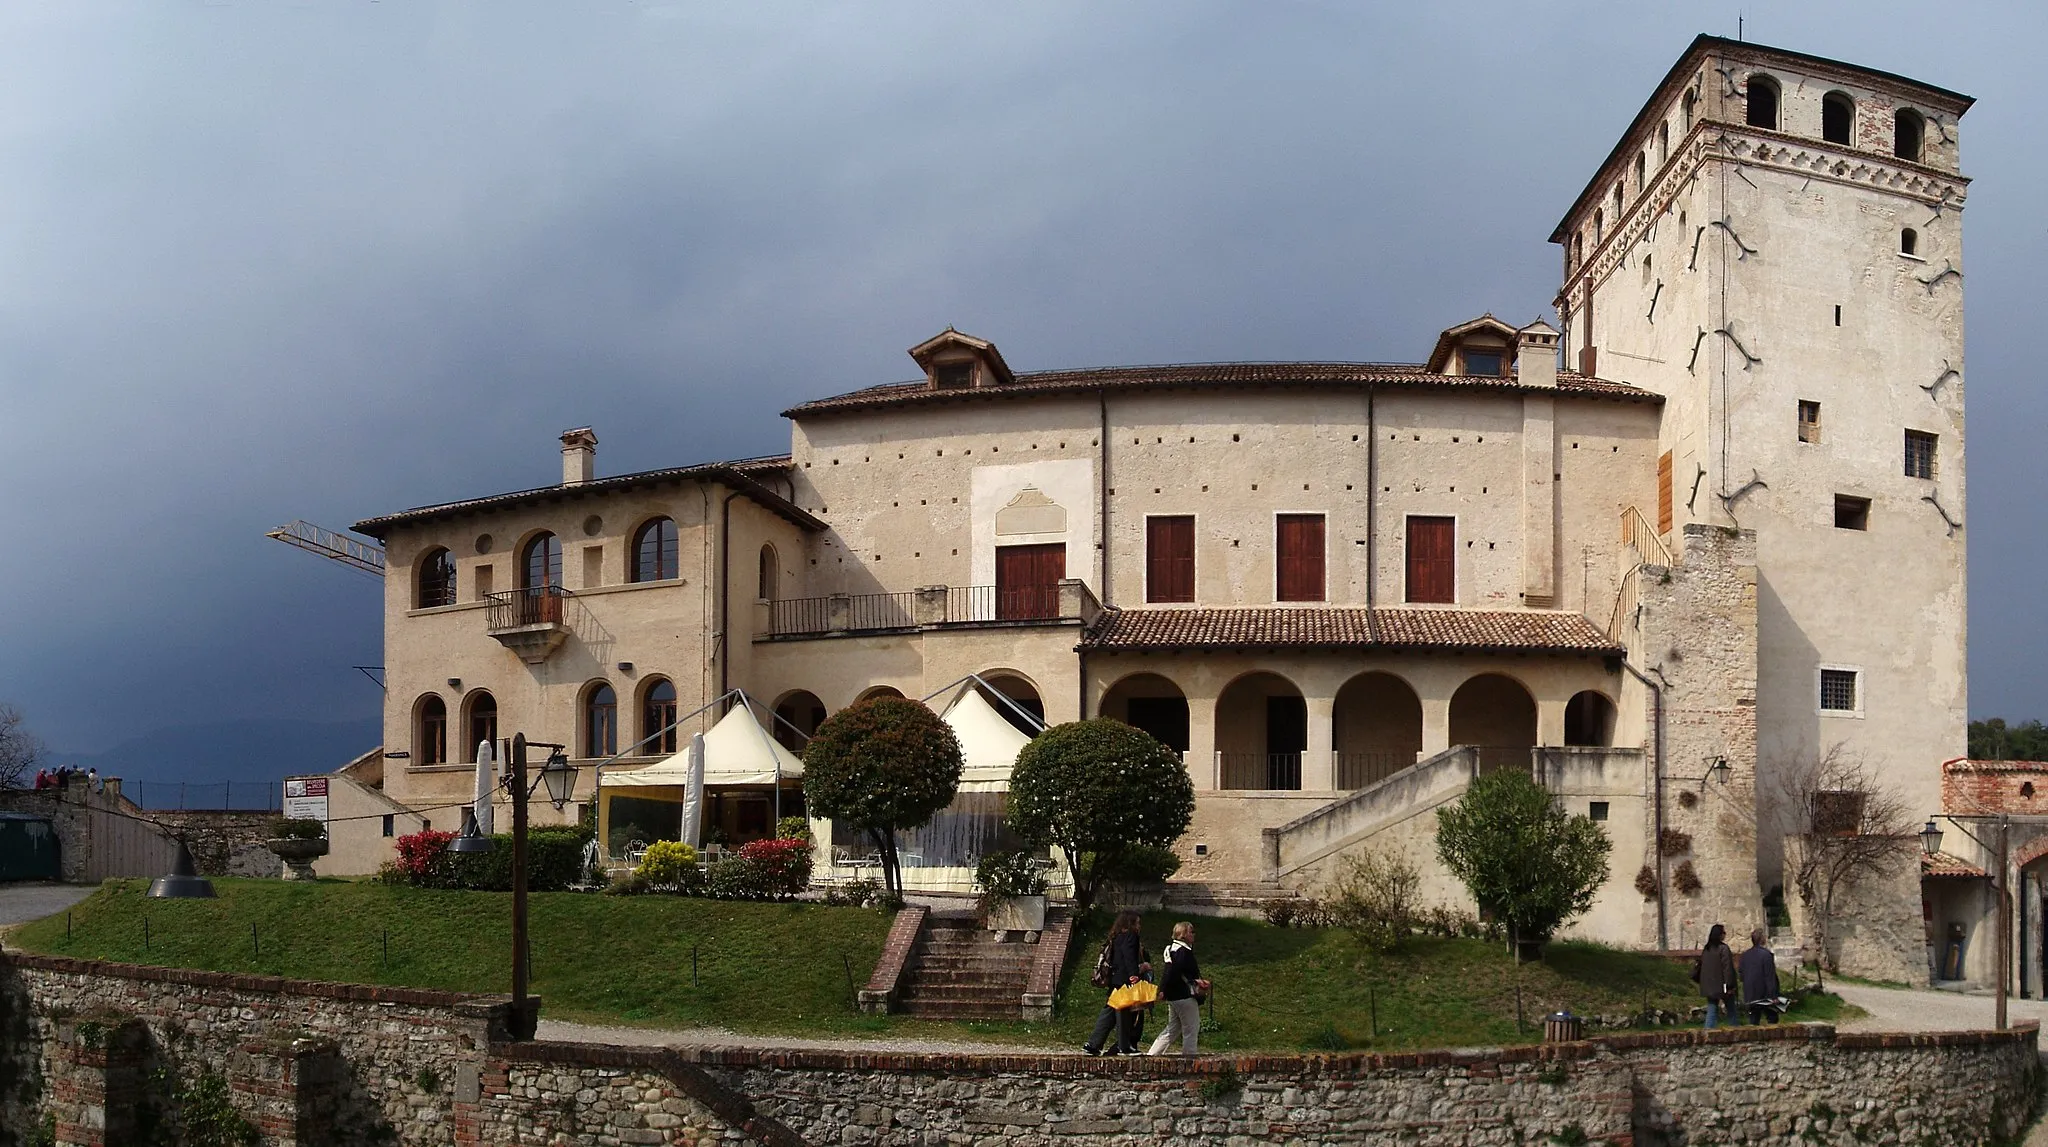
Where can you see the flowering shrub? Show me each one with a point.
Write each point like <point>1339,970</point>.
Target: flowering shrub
<point>423,856</point>
<point>784,865</point>
<point>668,864</point>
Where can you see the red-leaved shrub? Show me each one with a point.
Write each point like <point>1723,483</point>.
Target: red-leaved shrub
<point>783,866</point>
<point>423,855</point>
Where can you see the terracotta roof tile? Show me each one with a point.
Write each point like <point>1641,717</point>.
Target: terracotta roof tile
<point>745,474</point>
<point>1943,864</point>
<point>1331,628</point>
<point>1213,375</point>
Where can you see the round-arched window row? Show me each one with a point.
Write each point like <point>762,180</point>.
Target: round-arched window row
<point>600,720</point>
<point>655,553</point>
<point>430,731</point>
<point>434,584</point>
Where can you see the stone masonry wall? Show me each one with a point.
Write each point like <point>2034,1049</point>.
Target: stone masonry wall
<point>315,1064</point>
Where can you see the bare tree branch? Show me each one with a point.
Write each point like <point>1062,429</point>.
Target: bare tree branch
<point>1854,827</point>
<point>20,750</point>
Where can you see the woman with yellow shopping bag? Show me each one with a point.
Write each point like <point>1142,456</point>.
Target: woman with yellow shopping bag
<point>1121,967</point>
<point>1183,989</point>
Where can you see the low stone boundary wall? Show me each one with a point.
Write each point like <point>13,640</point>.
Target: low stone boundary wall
<point>312,1064</point>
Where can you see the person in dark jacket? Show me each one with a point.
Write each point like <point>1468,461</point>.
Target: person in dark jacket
<point>1127,965</point>
<point>1180,986</point>
<point>1759,970</point>
<point>1716,972</point>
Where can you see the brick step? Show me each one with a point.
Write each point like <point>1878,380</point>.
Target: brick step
<point>954,1011</point>
<point>923,991</point>
<point>983,955</point>
<point>969,976</point>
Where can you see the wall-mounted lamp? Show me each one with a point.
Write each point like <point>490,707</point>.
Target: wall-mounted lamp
<point>1719,770</point>
<point>625,667</point>
<point>455,682</point>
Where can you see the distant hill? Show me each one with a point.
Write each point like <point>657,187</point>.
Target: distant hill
<point>207,757</point>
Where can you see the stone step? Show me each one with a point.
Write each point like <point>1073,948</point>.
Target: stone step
<point>985,969</point>
<point>951,1010</point>
<point>966,1000</point>
<point>971,976</point>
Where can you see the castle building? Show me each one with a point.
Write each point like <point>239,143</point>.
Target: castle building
<point>1708,526</point>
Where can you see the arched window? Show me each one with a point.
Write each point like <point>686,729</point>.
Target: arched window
<point>1663,142</point>
<point>654,551</point>
<point>1578,247</point>
<point>436,580</point>
<point>1687,104</point>
<point>766,573</point>
<point>430,731</point>
<point>1763,101</point>
<point>1907,130</point>
<point>1599,227</point>
<point>1837,117</point>
<point>601,722</point>
<point>1909,242</point>
<point>1619,192</point>
<point>540,564</point>
<point>658,716</point>
<point>1642,173</point>
<point>482,724</point>
<point>1646,268</point>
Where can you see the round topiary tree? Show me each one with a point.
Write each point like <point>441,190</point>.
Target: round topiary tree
<point>1097,788</point>
<point>1523,858</point>
<point>880,766</point>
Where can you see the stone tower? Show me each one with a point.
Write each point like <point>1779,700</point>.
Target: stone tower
<point>1775,245</point>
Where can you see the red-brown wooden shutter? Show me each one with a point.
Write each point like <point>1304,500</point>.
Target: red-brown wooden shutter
<point>1028,581</point>
<point>1170,559</point>
<point>1300,538</point>
<point>1433,560</point>
<point>1664,492</point>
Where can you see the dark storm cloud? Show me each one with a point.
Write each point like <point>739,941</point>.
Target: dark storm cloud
<point>335,258</point>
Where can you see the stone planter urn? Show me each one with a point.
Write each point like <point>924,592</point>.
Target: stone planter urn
<point>298,855</point>
<point>1017,914</point>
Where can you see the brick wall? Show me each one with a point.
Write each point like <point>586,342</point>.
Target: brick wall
<point>1978,787</point>
<point>317,1064</point>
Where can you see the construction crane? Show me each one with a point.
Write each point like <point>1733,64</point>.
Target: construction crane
<point>357,555</point>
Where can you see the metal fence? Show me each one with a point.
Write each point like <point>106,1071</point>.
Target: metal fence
<point>1259,770</point>
<point>800,615</point>
<point>1359,770</point>
<point>515,609</point>
<point>880,611</point>
<point>229,796</point>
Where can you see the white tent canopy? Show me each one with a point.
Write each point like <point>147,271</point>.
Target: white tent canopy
<point>988,744</point>
<point>737,751</point>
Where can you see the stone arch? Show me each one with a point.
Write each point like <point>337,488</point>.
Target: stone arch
<point>874,691</point>
<point>1018,690</point>
<point>430,730</point>
<point>479,722</point>
<point>798,713</point>
<point>1376,728</point>
<point>1760,101</point>
<point>1261,732</point>
<point>1493,710</point>
<point>1152,702</point>
<point>1589,719</point>
<point>1837,117</point>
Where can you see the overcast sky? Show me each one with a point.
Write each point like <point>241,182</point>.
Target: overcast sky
<point>334,258</point>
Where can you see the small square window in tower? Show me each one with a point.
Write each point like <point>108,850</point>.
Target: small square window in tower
<point>1838,690</point>
<point>1809,421</point>
<point>1170,558</point>
<point>1919,454</point>
<point>1432,560</point>
<point>1298,575</point>
<point>1851,512</point>
<point>1028,581</point>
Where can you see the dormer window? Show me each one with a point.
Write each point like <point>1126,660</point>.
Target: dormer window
<point>950,360</point>
<point>1483,362</point>
<point>953,375</point>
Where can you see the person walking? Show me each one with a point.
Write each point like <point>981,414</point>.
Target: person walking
<point>1759,969</point>
<point>1182,987</point>
<point>1124,955</point>
<point>1715,972</point>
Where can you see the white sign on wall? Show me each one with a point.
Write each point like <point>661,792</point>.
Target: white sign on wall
<point>306,799</point>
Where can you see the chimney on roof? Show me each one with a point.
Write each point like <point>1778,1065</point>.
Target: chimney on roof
<point>579,456</point>
<point>1536,355</point>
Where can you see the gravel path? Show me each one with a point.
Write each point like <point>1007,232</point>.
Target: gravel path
<point>1912,1010</point>
<point>21,903</point>
<point>719,1037</point>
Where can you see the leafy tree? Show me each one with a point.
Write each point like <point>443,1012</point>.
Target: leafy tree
<point>1097,789</point>
<point>881,766</point>
<point>20,750</point>
<point>1994,740</point>
<point>1527,862</point>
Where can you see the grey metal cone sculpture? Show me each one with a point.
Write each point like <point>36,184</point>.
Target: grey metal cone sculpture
<point>184,882</point>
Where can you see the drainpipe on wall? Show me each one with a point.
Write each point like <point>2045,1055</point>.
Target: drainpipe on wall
<point>724,637</point>
<point>1102,495</point>
<point>1372,491</point>
<point>1657,798</point>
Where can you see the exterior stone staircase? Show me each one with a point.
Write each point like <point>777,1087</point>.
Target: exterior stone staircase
<point>959,971</point>
<point>1242,898</point>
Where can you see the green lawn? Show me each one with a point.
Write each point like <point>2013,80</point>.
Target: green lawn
<point>783,968</point>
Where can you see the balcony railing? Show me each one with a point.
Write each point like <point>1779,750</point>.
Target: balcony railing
<point>930,607</point>
<point>1259,770</point>
<point>1358,770</point>
<point>520,608</point>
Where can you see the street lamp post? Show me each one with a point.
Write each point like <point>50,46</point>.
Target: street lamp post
<point>1930,843</point>
<point>560,779</point>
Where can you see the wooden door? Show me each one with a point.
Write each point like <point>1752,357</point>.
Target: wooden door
<point>1299,555</point>
<point>1433,560</point>
<point>1170,559</point>
<point>1028,581</point>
